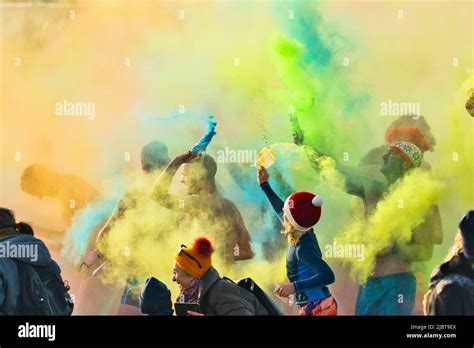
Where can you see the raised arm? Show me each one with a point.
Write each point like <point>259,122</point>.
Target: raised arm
<point>275,201</point>
<point>159,191</point>
<point>352,185</point>
<point>108,223</point>
<point>92,254</point>
<point>352,180</point>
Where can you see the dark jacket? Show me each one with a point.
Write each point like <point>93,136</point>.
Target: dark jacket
<point>218,296</point>
<point>452,288</point>
<point>9,277</point>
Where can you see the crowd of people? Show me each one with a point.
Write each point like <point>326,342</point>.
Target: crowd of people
<point>203,291</point>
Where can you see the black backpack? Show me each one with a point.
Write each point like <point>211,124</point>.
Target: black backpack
<point>250,285</point>
<point>42,290</point>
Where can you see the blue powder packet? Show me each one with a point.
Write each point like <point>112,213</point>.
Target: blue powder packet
<point>205,140</point>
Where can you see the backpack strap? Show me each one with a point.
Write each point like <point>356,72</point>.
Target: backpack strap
<point>4,238</point>
<point>204,301</point>
<point>249,285</point>
<point>228,279</point>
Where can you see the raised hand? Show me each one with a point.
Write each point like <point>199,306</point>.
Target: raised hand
<point>186,157</point>
<point>90,257</point>
<point>262,175</point>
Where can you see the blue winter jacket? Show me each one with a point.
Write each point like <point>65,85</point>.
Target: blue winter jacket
<point>28,249</point>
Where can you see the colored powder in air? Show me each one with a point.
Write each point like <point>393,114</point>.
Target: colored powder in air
<point>313,101</point>
<point>261,86</point>
<point>392,222</point>
<point>77,237</point>
<point>144,240</point>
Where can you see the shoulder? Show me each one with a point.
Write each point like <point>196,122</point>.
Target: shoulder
<point>227,202</point>
<point>453,282</point>
<point>225,289</point>
<point>374,156</point>
<point>372,174</point>
<point>307,245</point>
<point>454,290</point>
<point>79,183</point>
<point>308,239</point>
<point>230,206</point>
<point>451,270</point>
<point>222,291</point>
<point>22,239</point>
<point>224,285</point>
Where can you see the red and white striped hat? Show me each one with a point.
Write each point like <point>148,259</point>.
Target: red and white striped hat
<point>303,210</point>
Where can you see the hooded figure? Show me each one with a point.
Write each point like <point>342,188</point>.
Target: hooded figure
<point>155,298</point>
<point>19,249</point>
<point>452,283</point>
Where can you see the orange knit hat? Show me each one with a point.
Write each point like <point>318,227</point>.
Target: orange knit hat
<point>195,260</point>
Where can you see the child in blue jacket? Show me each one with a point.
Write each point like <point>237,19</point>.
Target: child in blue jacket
<point>308,273</point>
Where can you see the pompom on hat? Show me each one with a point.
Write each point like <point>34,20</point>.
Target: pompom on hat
<point>195,260</point>
<point>409,152</point>
<point>303,210</point>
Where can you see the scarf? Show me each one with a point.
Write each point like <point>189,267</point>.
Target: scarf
<point>191,293</point>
